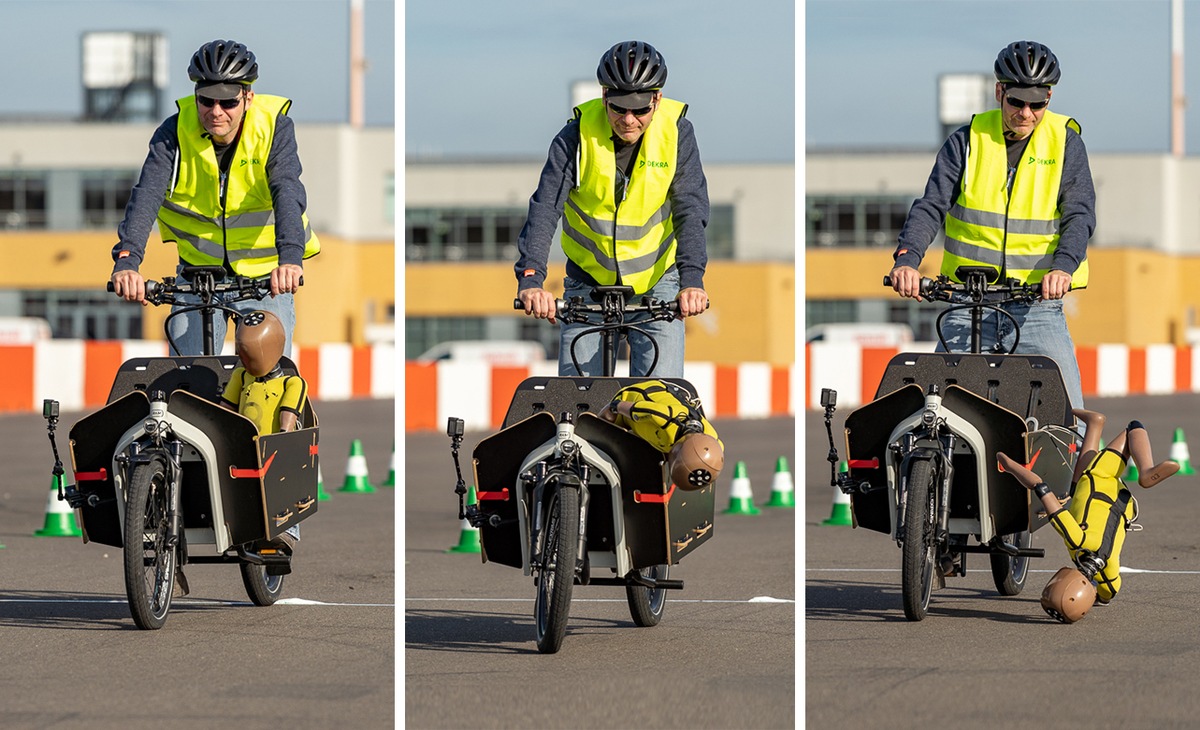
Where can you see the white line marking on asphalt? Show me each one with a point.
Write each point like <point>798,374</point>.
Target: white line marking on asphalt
<point>757,599</point>
<point>185,601</point>
<point>1124,569</point>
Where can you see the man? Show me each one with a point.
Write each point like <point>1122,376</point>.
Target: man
<point>624,175</point>
<point>1011,190</point>
<point>223,181</point>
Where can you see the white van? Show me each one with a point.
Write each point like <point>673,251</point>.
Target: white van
<point>497,352</point>
<point>23,330</point>
<point>867,334</point>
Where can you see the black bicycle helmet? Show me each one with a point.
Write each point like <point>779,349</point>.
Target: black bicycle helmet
<point>221,69</point>
<point>1027,63</point>
<point>632,66</point>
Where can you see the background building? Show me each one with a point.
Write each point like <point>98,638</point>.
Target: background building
<point>462,219</point>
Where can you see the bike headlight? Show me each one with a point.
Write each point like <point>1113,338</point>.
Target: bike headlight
<point>929,418</point>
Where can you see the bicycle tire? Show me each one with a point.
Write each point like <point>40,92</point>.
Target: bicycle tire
<point>149,563</point>
<point>646,605</point>
<point>263,589</point>
<point>556,577</point>
<point>920,548</point>
<point>1010,573</point>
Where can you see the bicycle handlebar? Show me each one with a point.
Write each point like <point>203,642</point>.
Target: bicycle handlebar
<point>577,310</point>
<point>164,292</point>
<point>942,289</point>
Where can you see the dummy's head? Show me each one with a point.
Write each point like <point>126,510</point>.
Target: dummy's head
<point>696,461</point>
<point>259,342</point>
<point>1068,596</point>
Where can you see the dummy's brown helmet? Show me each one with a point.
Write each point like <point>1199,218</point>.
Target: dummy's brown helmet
<point>259,342</point>
<point>695,460</point>
<point>1068,595</point>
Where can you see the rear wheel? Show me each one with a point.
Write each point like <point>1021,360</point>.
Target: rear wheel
<point>556,577</point>
<point>263,589</point>
<point>1009,573</point>
<point>920,543</point>
<point>149,563</point>
<point>646,604</point>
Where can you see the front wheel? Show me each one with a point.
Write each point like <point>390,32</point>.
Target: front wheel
<point>556,575</point>
<point>1009,573</point>
<point>149,562</point>
<point>920,539</point>
<point>263,589</point>
<point>646,604</point>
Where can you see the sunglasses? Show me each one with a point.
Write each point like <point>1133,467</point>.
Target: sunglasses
<point>1016,103</point>
<point>622,111</point>
<point>225,103</point>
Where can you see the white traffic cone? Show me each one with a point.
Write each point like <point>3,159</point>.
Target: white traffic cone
<point>60,518</point>
<point>783,491</point>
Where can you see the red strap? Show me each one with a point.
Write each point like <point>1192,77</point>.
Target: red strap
<point>863,463</point>
<point>237,473</point>
<point>91,476</point>
<point>312,450</point>
<point>642,498</point>
<point>501,496</point>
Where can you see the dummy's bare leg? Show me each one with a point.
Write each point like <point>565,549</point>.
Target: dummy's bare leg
<point>1149,473</point>
<point>1094,424</point>
<point>1029,480</point>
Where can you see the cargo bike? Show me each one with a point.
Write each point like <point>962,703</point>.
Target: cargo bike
<point>570,498</point>
<point>921,456</point>
<point>164,472</point>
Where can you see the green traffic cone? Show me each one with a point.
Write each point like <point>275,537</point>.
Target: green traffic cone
<point>1131,473</point>
<point>322,495</point>
<point>468,536</point>
<point>356,471</point>
<point>783,491</point>
<point>840,514</point>
<point>1180,454</point>
<point>60,518</point>
<point>391,477</point>
<point>741,498</point>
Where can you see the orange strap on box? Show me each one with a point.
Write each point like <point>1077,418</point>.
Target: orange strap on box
<point>863,463</point>
<point>643,498</point>
<point>501,496</point>
<point>91,476</point>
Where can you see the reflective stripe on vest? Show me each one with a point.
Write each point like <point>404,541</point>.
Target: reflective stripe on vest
<point>639,227</point>
<point>1017,233</point>
<point>192,214</point>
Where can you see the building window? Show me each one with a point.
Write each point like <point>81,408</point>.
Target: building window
<point>84,315</point>
<point>861,220</point>
<point>105,194</point>
<point>479,234</point>
<point>22,200</point>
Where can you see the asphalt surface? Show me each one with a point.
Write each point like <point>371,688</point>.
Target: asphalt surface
<point>71,657</point>
<point>722,657</point>
<point>982,660</point>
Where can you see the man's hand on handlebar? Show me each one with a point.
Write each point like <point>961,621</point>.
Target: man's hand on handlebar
<point>906,281</point>
<point>538,302</point>
<point>1055,284</point>
<point>692,301</point>
<point>130,286</point>
<point>285,279</point>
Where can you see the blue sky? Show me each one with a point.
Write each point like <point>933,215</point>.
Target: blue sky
<point>871,66</point>
<point>301,47</point>
<point>492,79</point>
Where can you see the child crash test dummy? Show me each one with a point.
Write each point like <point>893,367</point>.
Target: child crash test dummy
<point>258,389</point>
<point>1094,519</point>
<point>670,420</point>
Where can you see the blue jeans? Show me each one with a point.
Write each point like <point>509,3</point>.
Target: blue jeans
<point>669,336</point>
<point>187,330</point>
<point>1043,332</point>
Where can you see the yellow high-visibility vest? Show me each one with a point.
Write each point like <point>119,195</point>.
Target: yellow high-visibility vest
<point>192,215</point>
<point>1016,233</point>
<point>634,237</point>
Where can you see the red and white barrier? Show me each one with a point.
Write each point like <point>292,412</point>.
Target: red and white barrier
<point>1108,370</point>
<point>479,392</point>
<point>79,374</point>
